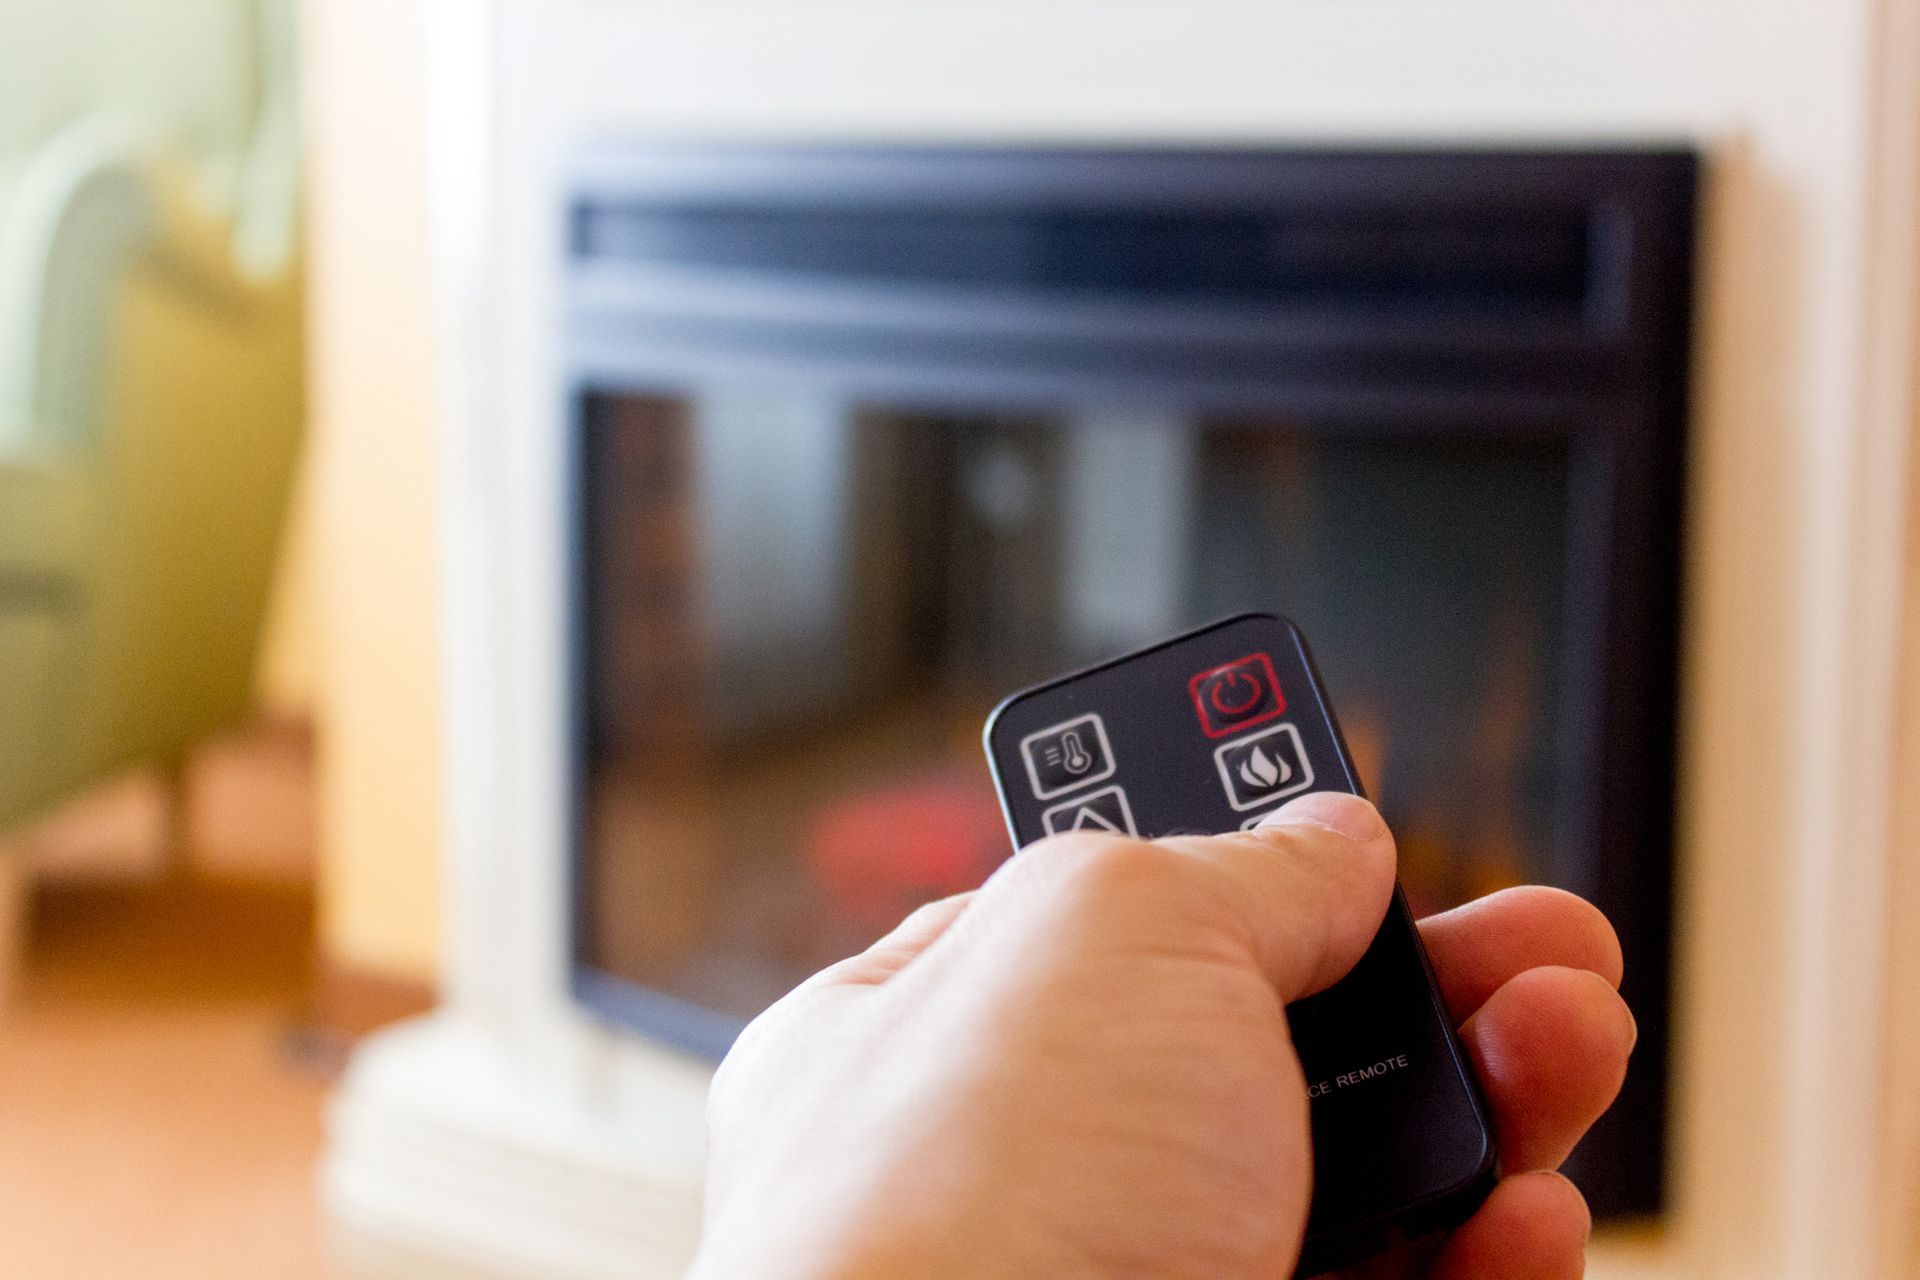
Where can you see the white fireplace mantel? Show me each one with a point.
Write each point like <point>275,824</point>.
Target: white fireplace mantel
<point>508,1134</point>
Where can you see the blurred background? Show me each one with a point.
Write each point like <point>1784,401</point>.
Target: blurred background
<point>512,517</point>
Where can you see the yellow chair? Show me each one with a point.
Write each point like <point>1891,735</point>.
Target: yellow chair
<point>150,358</point>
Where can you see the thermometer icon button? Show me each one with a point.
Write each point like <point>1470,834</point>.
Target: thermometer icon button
<point>1067,756</point>
<point>1074,754</point>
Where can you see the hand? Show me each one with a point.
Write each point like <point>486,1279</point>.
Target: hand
<point>1083,1069</point>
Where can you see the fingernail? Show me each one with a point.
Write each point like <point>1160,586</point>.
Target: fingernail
<point>1633,1029</point>
<point>1351,816</point>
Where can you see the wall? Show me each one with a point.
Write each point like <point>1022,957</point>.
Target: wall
<point>1899,1252</point>
<point>373,481</point>
<point>289,672</point>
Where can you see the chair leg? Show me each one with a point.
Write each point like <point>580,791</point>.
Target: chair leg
<point>16,884</point>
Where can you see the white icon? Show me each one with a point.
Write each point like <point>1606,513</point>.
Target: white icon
<point>1067,756</point>
<point>1077,760</point>
<point>1257,771</point>
<point>1089,818</point>
<point>1262,772</point>
<point>1106,810</point>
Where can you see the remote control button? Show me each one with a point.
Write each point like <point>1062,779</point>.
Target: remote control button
<point>1067,757</point>
<point>1257,819</point>
<point>1105,810</point>
<point>1258,770</point>
<point>1237,696</point>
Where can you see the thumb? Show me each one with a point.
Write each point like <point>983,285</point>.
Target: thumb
<point>1310,885</point>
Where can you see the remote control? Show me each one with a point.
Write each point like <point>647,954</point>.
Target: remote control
<point>1210,732</point>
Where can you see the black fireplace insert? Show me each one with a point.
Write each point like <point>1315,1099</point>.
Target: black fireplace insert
<point>862,439</point>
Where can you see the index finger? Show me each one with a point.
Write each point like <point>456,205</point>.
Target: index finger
<point>1480,947</point>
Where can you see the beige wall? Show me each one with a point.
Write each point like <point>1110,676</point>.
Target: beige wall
<point>290,659</point>
<point>371,358</point>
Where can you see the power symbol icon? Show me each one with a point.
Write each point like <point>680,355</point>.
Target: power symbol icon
<point>1234,693</point>
<point>1234,696</point>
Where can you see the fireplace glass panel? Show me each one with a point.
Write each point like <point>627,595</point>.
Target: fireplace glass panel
<point>799,611</point>
<point>864,438</point>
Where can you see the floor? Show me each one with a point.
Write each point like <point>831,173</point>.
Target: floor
<point>159,1115</point>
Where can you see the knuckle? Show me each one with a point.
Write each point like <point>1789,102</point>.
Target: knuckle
<point>1102,866</point>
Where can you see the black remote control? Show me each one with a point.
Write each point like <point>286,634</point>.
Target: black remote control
<point>1209,732</point>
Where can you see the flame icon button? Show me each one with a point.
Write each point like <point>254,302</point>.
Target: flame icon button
<point>1263,768</point>
<point>1262,772</point>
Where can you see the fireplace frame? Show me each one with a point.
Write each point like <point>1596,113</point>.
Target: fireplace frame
<point>1609,376</point>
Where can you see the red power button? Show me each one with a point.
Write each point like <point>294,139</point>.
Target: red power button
<point>1237,695</point>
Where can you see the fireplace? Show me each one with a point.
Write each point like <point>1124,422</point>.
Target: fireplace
<point>863,439</point>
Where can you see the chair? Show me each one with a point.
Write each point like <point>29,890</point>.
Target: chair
<point>150,355</point>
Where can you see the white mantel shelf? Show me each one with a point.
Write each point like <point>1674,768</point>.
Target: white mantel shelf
<point>509,1135</point>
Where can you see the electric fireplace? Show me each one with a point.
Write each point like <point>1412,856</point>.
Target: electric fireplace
<point>863,439</point>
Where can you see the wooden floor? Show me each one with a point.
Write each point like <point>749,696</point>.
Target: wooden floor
<point>156,1119</point>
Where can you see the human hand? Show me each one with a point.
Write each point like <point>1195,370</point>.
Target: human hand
<point>1083,1069</point>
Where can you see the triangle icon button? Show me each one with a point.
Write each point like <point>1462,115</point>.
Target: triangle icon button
<point>1094,818</point>
<point>1103,810</point>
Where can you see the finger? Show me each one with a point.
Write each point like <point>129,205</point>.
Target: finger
<point>1533,1227</point>
<point>1551,1049</point>
<point>1478,948</point>
<point>898,949</point>
<point>1309,886</point>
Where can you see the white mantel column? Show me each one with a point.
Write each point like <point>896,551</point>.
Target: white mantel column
<point>503,1135</point>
